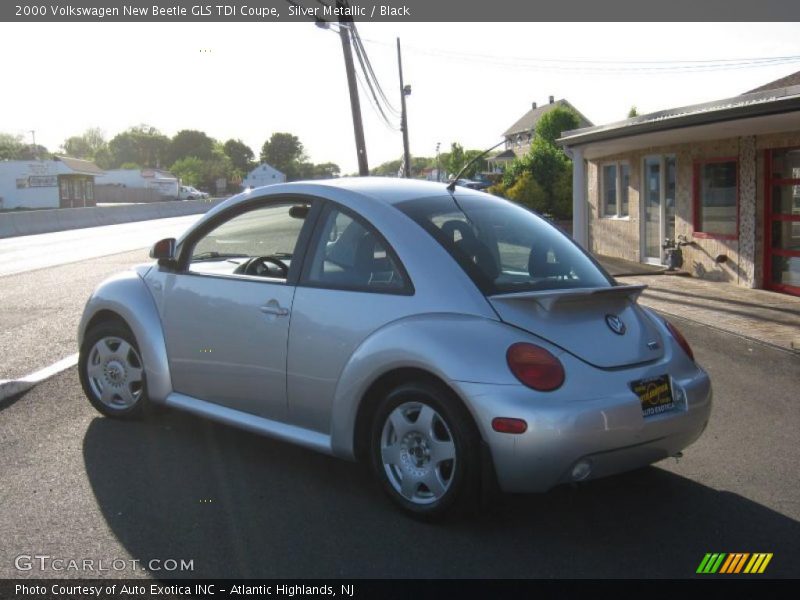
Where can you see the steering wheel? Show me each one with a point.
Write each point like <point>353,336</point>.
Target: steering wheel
<point>258,266</point>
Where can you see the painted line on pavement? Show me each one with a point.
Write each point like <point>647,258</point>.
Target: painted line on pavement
<point>12,387</point>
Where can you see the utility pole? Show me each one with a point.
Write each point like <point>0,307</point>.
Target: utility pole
<point>355,105</point>
<point>438,164</point>
<point>405,90</point>
<point>33,150</point>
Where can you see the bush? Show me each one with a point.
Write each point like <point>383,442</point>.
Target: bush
<point>527,191</point>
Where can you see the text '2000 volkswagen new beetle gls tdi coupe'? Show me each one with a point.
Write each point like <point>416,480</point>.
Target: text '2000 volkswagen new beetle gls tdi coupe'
<point>444,336</point>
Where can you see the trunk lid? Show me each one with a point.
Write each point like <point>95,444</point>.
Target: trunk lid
<point>582,321</point>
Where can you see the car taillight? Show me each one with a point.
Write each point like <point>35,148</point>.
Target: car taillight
<point>680,339</point>
<point>535,367</point>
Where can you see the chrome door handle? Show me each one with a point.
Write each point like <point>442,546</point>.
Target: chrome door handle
<point>273,308</point>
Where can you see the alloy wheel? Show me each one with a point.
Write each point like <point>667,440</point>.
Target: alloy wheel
<point>114,373</point>
<point>418,452</point>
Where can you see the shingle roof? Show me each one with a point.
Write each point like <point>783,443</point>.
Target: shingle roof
<point>788,81</point>
<point>79,165</point>
<point>528,121</point>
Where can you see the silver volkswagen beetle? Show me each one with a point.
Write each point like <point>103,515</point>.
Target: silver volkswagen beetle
<point>451,339</point>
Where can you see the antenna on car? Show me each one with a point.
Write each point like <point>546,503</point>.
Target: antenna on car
<point>452,185</point>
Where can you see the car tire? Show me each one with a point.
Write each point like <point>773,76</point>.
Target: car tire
<point>425,451</point>
<point>112,373</point>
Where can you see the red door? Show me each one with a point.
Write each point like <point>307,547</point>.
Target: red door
<point>782,220</point>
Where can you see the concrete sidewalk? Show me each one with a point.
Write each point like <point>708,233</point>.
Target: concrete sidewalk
<point>760,315</point>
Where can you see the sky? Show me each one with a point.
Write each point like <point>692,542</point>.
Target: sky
<point>470,81</point>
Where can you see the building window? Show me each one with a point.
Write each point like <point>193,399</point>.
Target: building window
<point>64,188</point>
<point>716,198</point>
<point>615,180</point>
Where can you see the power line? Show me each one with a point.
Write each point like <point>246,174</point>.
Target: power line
<point>596,65</point>
<point>369,80</point>
<point>363,52</point>
<point>375,101</point>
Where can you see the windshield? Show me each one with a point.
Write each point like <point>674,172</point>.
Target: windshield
<point>504,247</point>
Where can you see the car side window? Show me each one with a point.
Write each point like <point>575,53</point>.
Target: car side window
<point>259,243</point>
<point>349,255</point>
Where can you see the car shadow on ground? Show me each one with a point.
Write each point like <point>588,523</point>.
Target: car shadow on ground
<point>239,505</point>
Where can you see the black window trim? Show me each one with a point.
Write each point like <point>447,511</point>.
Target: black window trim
<point>301,246</point>
<point>304,281</point>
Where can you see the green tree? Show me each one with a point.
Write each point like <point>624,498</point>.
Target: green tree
<point>474,168</point>
<point>419,164</point>
<point>284,152</point>
<point>87,145</point>
<point>201,173</point>
<point>13,147</point>
<point>302,170</point>
<point>189,170</point>
<point>554,122</point>
<point>633,112</point>
<point>527,191</point>
<point>103,158</point>
<point>547,162</point>
<point>453,161</point>
<point>327,170</point>
<point>387,169</point>
<point>218,167</point>
<point>542,179</point>
<point>240,155</point>
<point>561,207</point>
<point>142,144</point>
<point>551,170</point>
<point>190,142</point>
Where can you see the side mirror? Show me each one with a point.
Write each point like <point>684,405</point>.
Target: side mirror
<point>164,250</point>
<point>299,211</point>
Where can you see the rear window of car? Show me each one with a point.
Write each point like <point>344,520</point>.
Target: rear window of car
<point>503,247</point>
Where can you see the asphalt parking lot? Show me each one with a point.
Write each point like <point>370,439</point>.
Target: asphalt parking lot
<point>76,485</point>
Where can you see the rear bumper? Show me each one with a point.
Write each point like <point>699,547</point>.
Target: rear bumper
<point>609,433</point>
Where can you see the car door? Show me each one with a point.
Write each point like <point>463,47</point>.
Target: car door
<point>352,284</point>
<point>226,310</point>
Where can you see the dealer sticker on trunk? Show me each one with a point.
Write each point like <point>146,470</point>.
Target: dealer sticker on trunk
<point>655,394</point>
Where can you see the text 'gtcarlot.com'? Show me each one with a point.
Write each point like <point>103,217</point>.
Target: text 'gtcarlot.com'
<point>45,562</point>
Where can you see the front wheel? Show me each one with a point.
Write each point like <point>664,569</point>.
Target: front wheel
<point>425,450</point>
<point>111,372</point>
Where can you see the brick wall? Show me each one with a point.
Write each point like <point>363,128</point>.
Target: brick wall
<point>743,257</point>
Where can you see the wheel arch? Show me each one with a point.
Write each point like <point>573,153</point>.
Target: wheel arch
<point>126,299</point>
<point>444,348</point>
<point>102,317</point>
<point>381,386</point>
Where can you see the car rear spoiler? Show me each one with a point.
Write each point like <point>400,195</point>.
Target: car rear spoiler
<point>549,298</point>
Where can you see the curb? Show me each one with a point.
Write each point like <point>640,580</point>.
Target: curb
<point>793,349</point>
<point>14,387</point>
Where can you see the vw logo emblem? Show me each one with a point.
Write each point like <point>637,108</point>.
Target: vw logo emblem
<point>615,324</point>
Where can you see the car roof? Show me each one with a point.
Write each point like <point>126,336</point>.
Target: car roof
<point>382,191</point>
<point>390,190</point>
